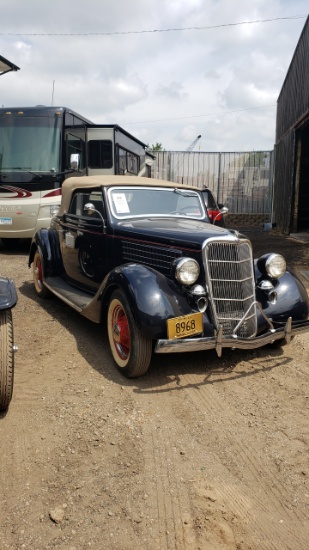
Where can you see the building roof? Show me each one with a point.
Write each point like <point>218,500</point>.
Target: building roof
<point>7,66</point>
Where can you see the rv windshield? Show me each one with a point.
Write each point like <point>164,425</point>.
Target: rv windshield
<point>29,144</point>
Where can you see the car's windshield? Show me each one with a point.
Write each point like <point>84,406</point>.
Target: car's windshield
<point>134,202</point>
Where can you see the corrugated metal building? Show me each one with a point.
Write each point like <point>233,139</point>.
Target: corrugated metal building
<point>291,176</point>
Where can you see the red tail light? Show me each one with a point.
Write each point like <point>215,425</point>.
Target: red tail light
<point>214,215</point>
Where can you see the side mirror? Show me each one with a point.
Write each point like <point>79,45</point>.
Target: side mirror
<point>222,210</point>
<point>74,161</point>
<point>90,208</point>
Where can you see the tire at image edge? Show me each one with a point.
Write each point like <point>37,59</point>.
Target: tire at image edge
<point>6,358</point>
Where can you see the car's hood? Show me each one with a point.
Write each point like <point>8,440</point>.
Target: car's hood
<point>177,231</point>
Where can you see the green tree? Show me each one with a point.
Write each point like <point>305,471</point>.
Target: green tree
<point>156,147</point>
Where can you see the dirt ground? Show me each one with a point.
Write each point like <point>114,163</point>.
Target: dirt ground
<point>199,454</point>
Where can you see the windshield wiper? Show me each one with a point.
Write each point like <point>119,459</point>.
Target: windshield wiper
<point>68,171</point>
<point>23,169</point>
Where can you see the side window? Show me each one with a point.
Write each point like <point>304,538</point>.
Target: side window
<point>132,163</point>
<point>95,197</point>
<point>75,144</point>
<point>209,200</point>
<point>77,204</point>
<point>79,201</point>
<point>100,153</point>
<point>122,161</point>
<point>127,162</point>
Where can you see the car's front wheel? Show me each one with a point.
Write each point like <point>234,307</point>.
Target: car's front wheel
<point>130,349</point>
<point>39,286</point>
<point>6,358</point>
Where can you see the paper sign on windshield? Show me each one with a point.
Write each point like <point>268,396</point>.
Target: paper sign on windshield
<point>120,203</point>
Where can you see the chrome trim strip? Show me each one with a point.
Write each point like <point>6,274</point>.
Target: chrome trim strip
<point>171,188</point>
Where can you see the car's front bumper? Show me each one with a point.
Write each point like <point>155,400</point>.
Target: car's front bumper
<point>218,342</point>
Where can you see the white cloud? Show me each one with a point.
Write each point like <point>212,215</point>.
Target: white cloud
<point>161,86</point>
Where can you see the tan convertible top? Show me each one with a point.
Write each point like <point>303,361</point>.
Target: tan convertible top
<point>84,182</point>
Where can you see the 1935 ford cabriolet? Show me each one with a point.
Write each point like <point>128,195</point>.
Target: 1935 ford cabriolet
<point>144,256</point>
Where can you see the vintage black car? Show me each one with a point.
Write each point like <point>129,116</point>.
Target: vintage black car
<point>143,256</point>
<point>8,299</point>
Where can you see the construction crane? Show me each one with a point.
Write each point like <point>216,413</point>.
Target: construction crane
<point>180,162</point>
<point>193,144</point>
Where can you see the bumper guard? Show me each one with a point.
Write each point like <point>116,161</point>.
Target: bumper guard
<point>218,341</point>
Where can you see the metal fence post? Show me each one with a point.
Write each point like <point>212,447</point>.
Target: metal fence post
<point>219,178</point>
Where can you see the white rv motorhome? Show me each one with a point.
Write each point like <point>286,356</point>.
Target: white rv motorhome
<point>42,146</point>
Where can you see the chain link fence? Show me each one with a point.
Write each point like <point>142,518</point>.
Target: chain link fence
<point>241,181</point>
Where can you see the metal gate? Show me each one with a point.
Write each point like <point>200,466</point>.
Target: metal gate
<point>242,181</point>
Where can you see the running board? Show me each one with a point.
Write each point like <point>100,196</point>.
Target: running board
<point>74,297</point>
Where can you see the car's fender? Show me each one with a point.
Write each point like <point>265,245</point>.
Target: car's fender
<point>8,293</point>
<point>291,298</point>
<point>47,241</point>
<point>153,298</point>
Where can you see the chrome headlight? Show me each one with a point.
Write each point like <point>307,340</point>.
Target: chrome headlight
<point>54,209</point>
<point>187,271</point>
<point>273,265</point>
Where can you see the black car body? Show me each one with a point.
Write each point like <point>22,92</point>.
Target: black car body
<point>143,255</point>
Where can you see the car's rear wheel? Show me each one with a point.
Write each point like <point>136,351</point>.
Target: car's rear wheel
<point>6,358</point>
<point>38,279</point>
<point>130,349</point>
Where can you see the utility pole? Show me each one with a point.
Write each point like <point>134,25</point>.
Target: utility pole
<point>53,93</point>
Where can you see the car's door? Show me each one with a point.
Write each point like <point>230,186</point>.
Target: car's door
<point>83,243</point>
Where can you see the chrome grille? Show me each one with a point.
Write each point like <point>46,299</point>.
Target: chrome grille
<point>154,256</point>
<point>230,278</point>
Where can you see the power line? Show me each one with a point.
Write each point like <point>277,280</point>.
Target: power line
<point>114,33</point>
<point>200,116</point>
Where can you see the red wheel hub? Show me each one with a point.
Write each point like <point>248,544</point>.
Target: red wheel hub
<point>121,332</point>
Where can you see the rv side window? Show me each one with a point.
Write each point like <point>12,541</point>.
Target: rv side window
<point>75,145</point>
<point>127,162</point>
<point>132,163</point>
<point>100,153</point>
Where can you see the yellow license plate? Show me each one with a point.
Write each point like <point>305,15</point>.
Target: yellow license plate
<point>187,325</point>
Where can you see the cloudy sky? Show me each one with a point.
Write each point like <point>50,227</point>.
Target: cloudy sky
<point>165,70</point>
